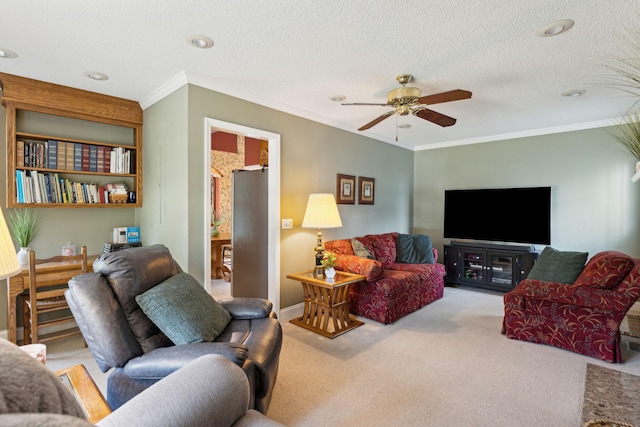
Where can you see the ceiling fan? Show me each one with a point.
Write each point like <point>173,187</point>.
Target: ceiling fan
<point>408,100</point>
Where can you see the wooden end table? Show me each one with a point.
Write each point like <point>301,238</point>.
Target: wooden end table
<point>326,303</point>
<point>86,392</point>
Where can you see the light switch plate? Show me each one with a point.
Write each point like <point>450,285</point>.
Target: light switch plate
<point>287,223</point>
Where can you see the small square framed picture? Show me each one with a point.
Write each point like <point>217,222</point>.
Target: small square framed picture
<point>345,189</point>
<point>366,190</point>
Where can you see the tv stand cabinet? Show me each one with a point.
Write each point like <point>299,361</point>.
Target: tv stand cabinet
<point>488,265</point>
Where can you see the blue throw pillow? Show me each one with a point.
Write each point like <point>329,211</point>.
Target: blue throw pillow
<point>183,310</point>
<point>414,249</point>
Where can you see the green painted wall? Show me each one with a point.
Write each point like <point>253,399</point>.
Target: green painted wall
<point>595,206</point>
<point>311,156</point>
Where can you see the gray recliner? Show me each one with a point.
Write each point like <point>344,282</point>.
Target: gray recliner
<point>209,391</point>
<point>121,336</point>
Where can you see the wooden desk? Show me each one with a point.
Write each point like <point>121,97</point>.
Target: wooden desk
<point>86,392</point>
<point>218,270</point>
<point>326,303</point>
<point>19,283</point>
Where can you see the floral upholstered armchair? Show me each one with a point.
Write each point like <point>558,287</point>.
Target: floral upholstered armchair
<point>583,317</point>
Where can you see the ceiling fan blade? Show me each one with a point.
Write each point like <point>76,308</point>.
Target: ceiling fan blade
<point>378,120</point>
<point>364,103</point>
<point>434,117</point>
<point>452,95</point>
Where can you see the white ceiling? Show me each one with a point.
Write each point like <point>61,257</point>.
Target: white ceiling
<point>293,55</point>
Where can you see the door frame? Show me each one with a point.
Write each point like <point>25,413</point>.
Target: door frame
<point>273,214</point>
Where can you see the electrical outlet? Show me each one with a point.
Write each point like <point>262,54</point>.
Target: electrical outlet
<point>287,223</point>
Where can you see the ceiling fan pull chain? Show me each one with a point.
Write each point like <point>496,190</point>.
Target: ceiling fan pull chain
<point>396,128</point>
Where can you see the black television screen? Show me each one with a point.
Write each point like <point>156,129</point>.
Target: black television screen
<point>519,215</point>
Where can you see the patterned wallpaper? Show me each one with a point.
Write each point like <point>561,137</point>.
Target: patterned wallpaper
<point>223,163</point>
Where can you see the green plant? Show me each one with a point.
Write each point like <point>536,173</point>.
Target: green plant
<point>627,133</point>
<point>23,225</point>
<point>626,77</point>
<point>329,259</point>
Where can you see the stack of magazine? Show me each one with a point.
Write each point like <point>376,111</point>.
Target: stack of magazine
<point>113,247</point>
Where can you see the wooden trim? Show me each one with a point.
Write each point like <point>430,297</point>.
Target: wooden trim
<point>36,95</point>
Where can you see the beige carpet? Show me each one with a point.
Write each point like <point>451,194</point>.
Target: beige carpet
<point>445,365</point>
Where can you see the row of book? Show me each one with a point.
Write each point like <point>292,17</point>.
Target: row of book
<point>74,156</point>
<point>39,187</point>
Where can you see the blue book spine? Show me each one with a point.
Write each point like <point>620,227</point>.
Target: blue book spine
<point>52,154</point>
<point>20,195</point>
<point>47,196</point>
<point>93,158</point>
<point>77,157</point>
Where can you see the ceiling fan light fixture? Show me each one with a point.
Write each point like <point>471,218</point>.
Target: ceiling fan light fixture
<point>403,95</point>
<point>200,41</point>
<point>555,28</point>
<point>404,126</point>
<point>7,54</point>
<point>573,93</point>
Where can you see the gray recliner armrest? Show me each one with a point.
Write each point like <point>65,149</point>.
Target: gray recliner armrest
<point>163,361</point>
<point>247,308</point>
<point>210,391</point>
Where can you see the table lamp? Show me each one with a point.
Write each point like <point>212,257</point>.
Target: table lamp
<point>9,265</point>
<point>322,212</point>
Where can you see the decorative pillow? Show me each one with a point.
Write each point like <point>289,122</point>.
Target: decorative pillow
<point>556,266</point>
<point>184,310</point>
<point>384,247</point>
<point>359,249</point>
<point>414,249</point>
<point>371,269</point>
<point>605,270</point>
<point>342,246</point>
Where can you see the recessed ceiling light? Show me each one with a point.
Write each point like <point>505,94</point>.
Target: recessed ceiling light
<point>94,75</point>
<point>338,98</point>
<point>404,126</point>
<point>555,28</point>
<point>200,41</point>
<point>573,93</point>
<point>8,54</point>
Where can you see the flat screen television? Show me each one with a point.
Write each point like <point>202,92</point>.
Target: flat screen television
<point>517,215</point>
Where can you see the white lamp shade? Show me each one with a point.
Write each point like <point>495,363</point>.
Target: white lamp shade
<point>322,212</point>
<point>9,265</point>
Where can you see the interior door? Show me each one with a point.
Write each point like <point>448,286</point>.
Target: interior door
<point>249,233</point>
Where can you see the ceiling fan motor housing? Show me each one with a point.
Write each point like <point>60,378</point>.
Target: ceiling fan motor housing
<point>403,96</point>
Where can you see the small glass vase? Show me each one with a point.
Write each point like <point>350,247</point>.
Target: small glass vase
<point>23,256</point>
<point>330,273</point>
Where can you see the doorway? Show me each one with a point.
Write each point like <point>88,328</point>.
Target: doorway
<point>273,253</point>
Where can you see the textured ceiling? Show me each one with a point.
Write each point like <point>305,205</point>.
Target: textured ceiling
<point>294,55</point>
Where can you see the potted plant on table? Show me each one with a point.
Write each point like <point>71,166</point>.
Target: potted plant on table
<point>329,261</point>
<point>23,225</point>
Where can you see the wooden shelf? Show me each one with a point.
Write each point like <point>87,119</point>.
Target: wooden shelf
<point>20,95</point>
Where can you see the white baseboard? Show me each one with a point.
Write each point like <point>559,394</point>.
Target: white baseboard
<point>291,312</point>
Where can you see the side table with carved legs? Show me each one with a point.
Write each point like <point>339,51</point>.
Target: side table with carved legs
<point>326,303</point>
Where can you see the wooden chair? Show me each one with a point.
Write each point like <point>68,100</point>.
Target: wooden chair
<point>226,262</point>
<point>46,295</point>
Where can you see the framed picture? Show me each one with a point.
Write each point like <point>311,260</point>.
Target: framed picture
<point>346,189</point>
<point>366,190</point>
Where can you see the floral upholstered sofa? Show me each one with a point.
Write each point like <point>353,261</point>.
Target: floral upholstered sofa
<point>402,274</point>
<point>582,316</point>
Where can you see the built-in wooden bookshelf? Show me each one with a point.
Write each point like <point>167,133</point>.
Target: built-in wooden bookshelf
<point>57,168</point>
